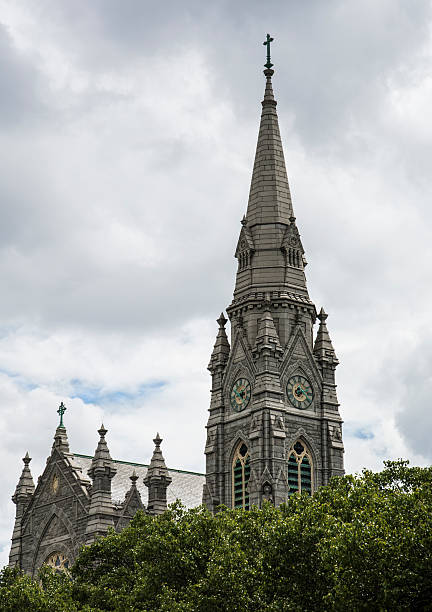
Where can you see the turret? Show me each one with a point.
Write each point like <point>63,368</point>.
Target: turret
<point>157,480</point>
<point>102,471</point>
<point>325,355</point>
<point>220,354</point>
<point>21,498</point>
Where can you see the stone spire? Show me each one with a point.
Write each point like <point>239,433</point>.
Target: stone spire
<point>25,486</point>
<point>157,480</point>
<point>221,349</point>
<point>269,196</point>
<point>323,348</point>
<point>269,250</point>
<point>102,471</point>
<point>267,336</point>
<point>22,496</point>
<point>133,501</point>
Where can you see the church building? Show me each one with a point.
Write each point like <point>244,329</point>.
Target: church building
<point>274,426</point>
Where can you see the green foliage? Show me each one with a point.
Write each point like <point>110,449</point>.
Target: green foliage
<point>362,543</point>
<point>50,593</point>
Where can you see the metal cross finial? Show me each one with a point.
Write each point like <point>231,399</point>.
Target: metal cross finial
<point>61,411</point>
<point>267,42</point>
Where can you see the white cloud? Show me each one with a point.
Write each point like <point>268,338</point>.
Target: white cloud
<point>126,158</point>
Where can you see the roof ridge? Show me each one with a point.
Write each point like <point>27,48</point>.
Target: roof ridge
<point>142,465</point>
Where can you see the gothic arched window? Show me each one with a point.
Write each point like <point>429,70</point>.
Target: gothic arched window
<point>240,477</point>
<point>58,562</point>
<point>300,470</point>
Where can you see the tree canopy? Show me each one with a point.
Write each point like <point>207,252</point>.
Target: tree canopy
<point>363,542</point>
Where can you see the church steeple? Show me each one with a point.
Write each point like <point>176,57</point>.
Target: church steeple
<point>269,196</point>
<point>274,418</point>
<point>269,251</point>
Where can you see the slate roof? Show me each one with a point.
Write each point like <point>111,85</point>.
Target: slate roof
<point>185,486</point>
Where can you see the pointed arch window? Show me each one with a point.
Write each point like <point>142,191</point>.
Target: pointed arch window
<point>300,469</point>
<point>58,562</point>
<point>240,477</point>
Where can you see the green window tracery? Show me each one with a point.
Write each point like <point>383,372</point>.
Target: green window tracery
<point>240,477</point>
<point>300,472</point>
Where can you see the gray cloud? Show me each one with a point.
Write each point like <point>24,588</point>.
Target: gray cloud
<point>128,134</point>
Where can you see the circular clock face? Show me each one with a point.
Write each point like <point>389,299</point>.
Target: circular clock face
<point>300,392</point>
<point>240,394</point>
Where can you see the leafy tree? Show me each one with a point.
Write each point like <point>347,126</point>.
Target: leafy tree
<point>363,542</point>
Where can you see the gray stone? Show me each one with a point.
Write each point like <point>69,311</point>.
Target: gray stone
<point>272,319</point>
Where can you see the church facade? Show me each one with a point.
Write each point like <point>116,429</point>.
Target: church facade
<point>274,426</point>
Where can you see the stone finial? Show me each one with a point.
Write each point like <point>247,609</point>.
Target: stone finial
<point>322,316</point>
<point>221,349</point>
<point>323,348</point>
<point>157,480</point>
<point>133,478</point>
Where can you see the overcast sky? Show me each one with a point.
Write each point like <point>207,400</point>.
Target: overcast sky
<point>128,131</point>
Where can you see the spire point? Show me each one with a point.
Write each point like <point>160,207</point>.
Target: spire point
<point>102,431</point>
<point>157,441</point>
<point>133,478</point>
<point>222,320</point>
<point>26,459</point>
<point>322,316</point>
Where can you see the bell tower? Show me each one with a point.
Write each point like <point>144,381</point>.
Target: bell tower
<point>274,426</point>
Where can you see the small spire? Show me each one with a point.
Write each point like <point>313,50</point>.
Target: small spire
<point>323,348</point>
<point>267,336</point>
<point>25,487</point>
<point>102,471</point>
<point>157,464</point>
<point>157,480</point>
<point>221,348</point>
<point>102,453</point>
